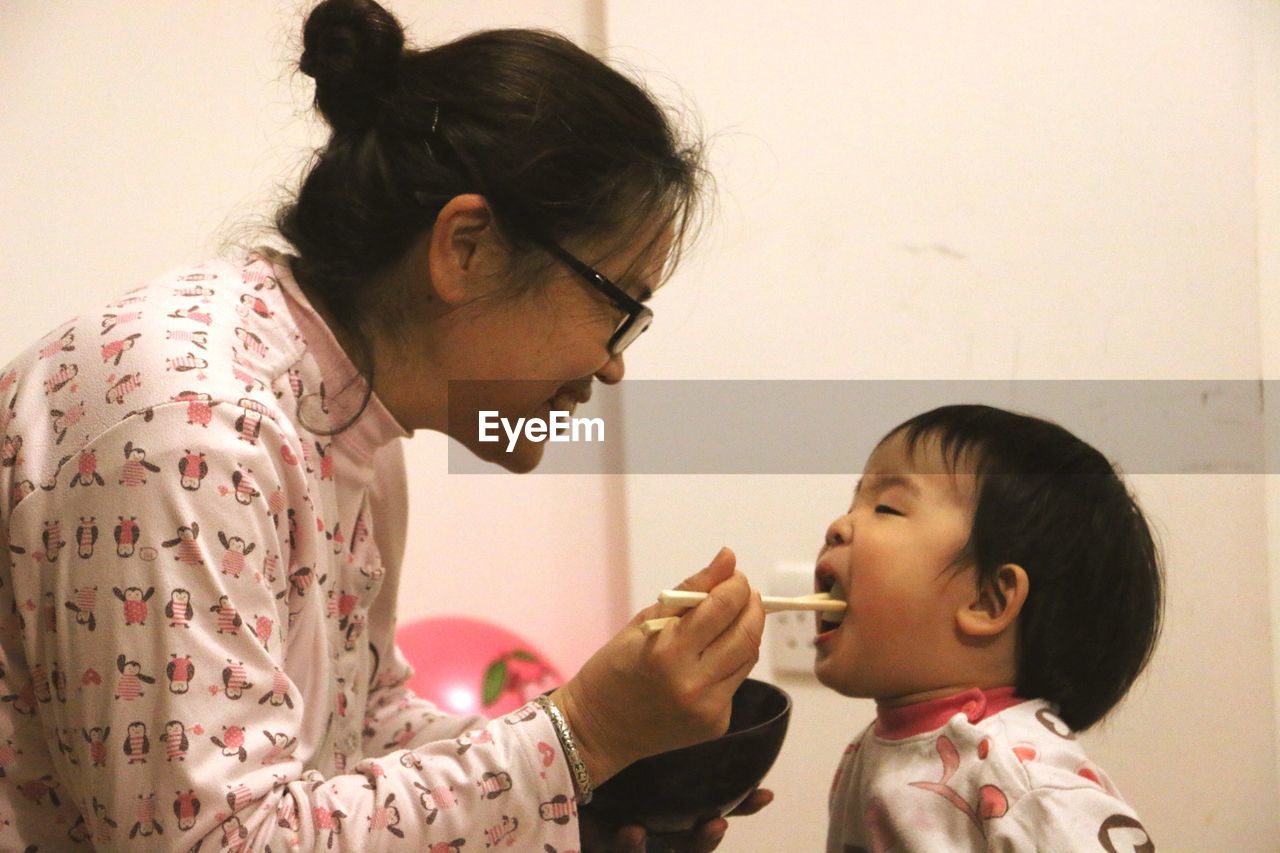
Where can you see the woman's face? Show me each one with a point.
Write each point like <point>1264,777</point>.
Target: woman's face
<point>525,355</point>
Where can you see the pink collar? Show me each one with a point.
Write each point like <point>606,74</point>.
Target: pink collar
<point>896,723</point>
<point>376,426</point>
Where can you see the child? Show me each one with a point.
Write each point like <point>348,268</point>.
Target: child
<point>1004,592</point>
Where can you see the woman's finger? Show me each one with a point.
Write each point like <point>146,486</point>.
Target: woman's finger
<point>710,834</point>
<point>737,647</point>
<point>700,626</point>
<point>717,572</point>
<point>758,799</point>
<point>630,839</point>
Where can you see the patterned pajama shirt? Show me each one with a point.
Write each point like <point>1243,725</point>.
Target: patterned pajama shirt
<point>221,378</point>
<point>980,770</point>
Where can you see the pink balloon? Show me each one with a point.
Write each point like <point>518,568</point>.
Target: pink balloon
<point>469,666</point>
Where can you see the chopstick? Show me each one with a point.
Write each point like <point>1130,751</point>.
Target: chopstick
<point>818,601</point>
<point>772,604</point>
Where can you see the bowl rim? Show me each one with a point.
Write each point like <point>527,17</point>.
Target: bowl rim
<point>786,709</point>
<point>612,804</point>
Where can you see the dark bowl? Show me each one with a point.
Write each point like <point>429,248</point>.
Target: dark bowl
<point>672,792</point>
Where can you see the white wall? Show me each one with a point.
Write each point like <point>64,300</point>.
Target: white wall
<point>137,136</point>
<point>997,190</point>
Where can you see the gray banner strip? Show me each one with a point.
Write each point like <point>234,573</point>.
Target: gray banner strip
<point>829,427</point>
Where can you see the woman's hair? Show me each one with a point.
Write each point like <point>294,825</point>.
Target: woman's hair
<point>559,144</point>
<point>1055,506</point>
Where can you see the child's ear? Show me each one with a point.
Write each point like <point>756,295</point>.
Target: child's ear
<point>996,603</point>
<point>460,241</point>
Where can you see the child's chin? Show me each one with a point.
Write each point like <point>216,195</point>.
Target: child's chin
<point>831,678</point>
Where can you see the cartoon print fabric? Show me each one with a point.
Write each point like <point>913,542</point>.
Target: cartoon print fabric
<point>1015,780</point>
<point>198,589</point>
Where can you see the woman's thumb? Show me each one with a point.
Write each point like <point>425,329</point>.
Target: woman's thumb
<point>719,570</point>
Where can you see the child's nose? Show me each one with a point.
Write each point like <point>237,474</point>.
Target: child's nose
<point>840,531</point>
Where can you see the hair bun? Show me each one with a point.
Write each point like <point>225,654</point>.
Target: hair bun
<point>352,49</point>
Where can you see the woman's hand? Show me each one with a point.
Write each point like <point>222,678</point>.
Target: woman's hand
<point>638,696</point>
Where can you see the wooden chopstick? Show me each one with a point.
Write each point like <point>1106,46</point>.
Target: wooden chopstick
<point>649,627</point>
<point>818,601</point>
<point>772,604</point>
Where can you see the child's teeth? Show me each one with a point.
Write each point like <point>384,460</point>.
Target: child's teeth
<point>837,592</point>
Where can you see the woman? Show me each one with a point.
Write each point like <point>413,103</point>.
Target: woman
<point>203,514</point>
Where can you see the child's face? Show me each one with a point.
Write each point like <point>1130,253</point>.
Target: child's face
<point>891,555</point>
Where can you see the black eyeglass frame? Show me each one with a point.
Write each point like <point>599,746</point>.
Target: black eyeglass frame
<point>639,316</point>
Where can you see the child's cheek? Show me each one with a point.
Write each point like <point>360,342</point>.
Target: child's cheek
<point>883,603</point>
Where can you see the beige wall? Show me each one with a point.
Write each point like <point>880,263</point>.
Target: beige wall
<point>1006,191</point>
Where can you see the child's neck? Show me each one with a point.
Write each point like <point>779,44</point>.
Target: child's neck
<point>984,669</point>
<point>894,722</point>
<point>940,692</point>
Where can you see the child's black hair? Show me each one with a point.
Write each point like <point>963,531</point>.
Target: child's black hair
<point>1055,506</point>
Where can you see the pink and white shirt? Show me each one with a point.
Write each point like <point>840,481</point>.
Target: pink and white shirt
<point>173,523</point>
<point>980,770</point>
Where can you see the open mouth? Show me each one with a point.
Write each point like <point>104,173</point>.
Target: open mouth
<point>829,583</point>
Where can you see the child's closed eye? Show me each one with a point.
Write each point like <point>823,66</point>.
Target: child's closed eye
<point>885,509</point>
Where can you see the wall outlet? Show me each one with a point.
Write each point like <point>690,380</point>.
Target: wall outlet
<point>789,634</point>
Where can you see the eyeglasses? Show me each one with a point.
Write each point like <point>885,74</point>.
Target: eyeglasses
<point>639,317</point>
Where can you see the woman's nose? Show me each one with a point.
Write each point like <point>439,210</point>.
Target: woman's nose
<point>611,373</point>
<point>840,531</point>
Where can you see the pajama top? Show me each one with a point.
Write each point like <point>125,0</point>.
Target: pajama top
<point>198,591</point>
<point>981,770</point>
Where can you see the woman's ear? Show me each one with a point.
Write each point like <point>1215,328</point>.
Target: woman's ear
<point>996,603</point>
<point>460,244</point>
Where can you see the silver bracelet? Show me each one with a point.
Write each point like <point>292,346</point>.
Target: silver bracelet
<point>581,779</point>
